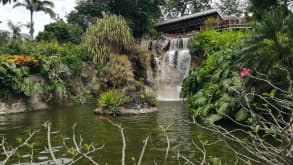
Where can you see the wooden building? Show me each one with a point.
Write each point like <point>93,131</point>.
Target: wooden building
<point>196,22</point>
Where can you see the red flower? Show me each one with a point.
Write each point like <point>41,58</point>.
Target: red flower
<point>244,72</point>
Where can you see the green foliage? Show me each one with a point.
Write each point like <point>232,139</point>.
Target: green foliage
<point>112,100</point>
<point>272,43</point>
<point>175,8</point>
<point>3,38</point>
<point>62,32</point>
<point>14,80</point>
<point>117,72</point>
<point>230,7</point>
<point>148,97</point>
<point>140,15</point>
<point>57,63</point>
<point>46,36</point>
<point>140,59</point>
<point>210,89</point>
<point>259,7</point>
<point>109,35</point>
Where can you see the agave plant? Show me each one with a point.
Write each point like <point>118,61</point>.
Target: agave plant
<point>109,35</point>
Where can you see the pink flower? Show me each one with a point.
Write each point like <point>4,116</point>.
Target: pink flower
<point>244,72</point>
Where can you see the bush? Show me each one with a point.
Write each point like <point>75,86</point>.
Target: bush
<point>140,59</point>
<point>211,88</point>
<point>109,35</point>
<point>15,80</point>
<point>112,100</point>
<point>62,32</point>
<point>149,97</point>
<point>117,72</point>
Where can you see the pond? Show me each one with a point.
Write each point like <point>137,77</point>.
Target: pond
<point>99,131</point>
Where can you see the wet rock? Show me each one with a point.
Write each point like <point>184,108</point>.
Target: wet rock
<point>124,111</point>
<point>16,106</point>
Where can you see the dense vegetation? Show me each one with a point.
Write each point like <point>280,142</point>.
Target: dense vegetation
<point>70,72</point>
<point>139,14</point>
<point>61,32</point>
<point>211,87</point>
<point>214,89</point>
<point>245,76</point>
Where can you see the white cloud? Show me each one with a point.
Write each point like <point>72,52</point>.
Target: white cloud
<point>7,12</point>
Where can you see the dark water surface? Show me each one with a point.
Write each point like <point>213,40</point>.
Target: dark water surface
<point>98,130</point>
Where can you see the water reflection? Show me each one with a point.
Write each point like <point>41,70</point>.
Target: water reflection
<point>98,130</point>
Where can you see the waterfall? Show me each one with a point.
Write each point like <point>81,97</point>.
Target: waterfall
<point>173,68</point>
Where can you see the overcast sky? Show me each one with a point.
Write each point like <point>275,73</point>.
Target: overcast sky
<point>7,12</point>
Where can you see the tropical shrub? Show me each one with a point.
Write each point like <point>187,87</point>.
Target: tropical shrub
<point>271,43</point>
<point>15,80</point>
<point>109,35</point>
<point>62,32</point>
<point>112,100</point>
<point>117,72</point>
<point>20,60</point>
<point>140,59</point>
<point>211,88</point>
<point>3,38</point>
<point>149,97</point>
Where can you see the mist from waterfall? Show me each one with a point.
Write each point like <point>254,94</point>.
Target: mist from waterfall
<point>173,68</point>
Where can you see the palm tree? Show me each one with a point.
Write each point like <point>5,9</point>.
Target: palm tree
<point>6,1</point>
<point>15,28</point>
<point>271,42</point>
<point>36,6</point>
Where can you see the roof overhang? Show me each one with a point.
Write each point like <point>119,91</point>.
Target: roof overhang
<point>188,17</point>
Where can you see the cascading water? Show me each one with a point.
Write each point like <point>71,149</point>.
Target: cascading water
<point>174,67</point>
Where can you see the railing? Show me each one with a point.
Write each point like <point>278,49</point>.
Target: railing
<point>226,26</point>
<point>218,27</point>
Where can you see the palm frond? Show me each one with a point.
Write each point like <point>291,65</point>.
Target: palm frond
<point>47,4</point>
<point>47,11</point>
<point>19,4</point>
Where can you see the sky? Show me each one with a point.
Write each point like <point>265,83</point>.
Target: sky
<point>7,12</point>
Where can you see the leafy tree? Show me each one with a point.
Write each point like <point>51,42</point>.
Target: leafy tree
<point>109,35</point>
<point>259,7</point>
<point>230,7</point>
<point>62,32</point>
<point>3,38</point>
<point>36,6</point>
<point>175,8</point>
<point>87,12</point>
<point>15,28</point>
<point>46,36</point>
<point>139,14</point>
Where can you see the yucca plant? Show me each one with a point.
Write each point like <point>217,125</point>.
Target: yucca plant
<point>109,35</point>
<point>112,100</point>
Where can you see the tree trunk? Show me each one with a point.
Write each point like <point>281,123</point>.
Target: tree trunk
<point>32,25</point>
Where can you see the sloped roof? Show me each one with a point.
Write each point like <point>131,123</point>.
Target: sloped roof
<point>195,15</point>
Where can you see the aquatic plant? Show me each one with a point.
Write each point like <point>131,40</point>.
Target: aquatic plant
<point>112,100</point>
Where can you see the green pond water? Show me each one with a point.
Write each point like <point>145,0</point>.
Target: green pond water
<point>99,131</point>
